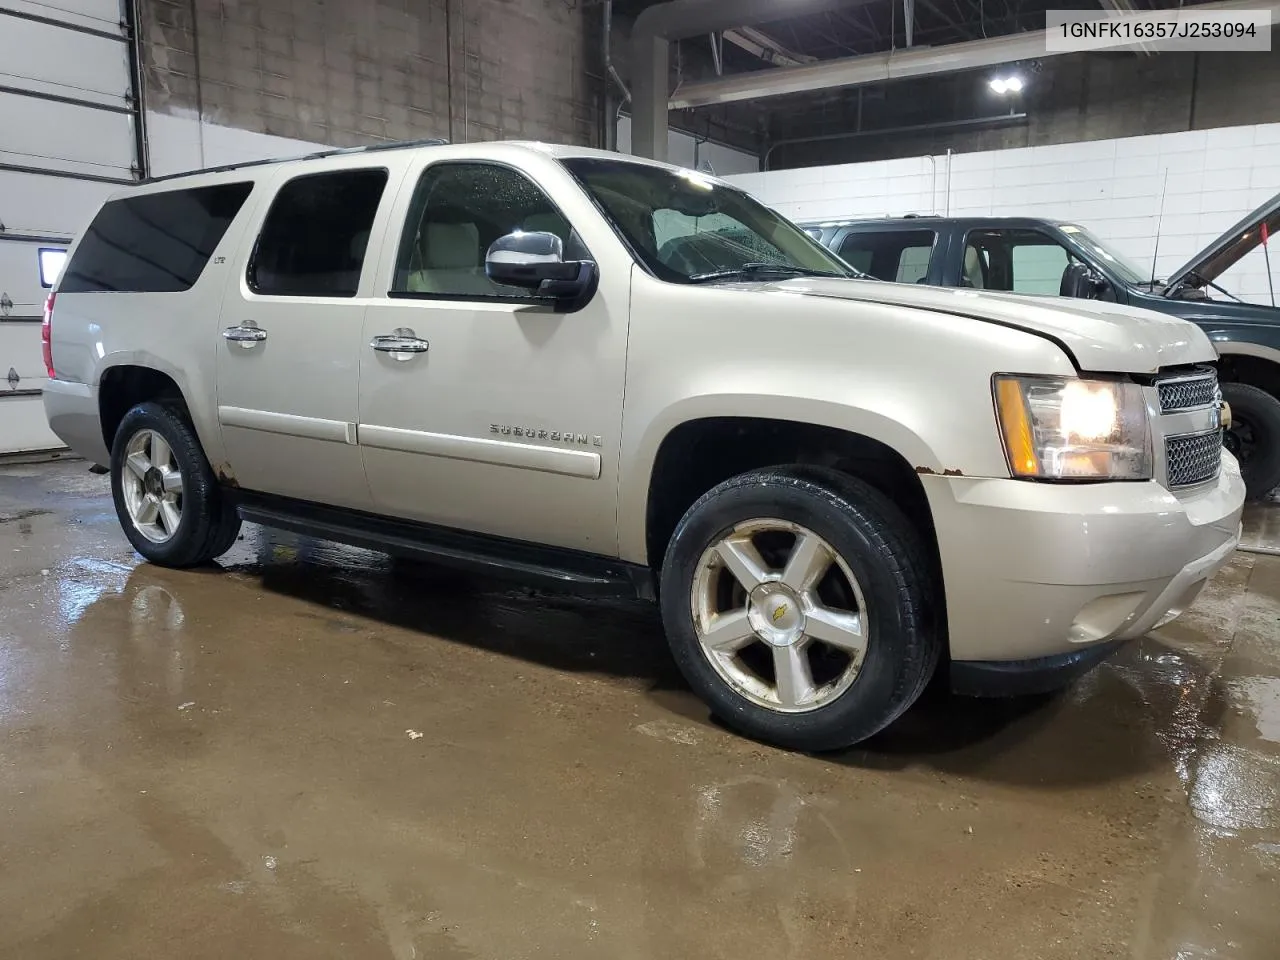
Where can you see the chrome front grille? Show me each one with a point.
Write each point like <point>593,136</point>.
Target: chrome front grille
<point>1190,421</point>
<point>1190,392</point>
<point>1193,458</point>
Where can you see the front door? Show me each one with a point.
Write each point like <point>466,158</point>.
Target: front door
<point>289,341</point>
<point>502,415</point>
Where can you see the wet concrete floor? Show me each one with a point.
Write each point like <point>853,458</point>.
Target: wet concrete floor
<point>316,752</point>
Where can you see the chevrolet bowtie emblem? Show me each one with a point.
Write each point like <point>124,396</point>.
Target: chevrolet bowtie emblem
<point>780,612</point>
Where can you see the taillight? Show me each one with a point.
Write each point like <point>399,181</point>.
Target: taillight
<point>46,336</point>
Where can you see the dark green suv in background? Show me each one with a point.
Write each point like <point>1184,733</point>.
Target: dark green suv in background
<point>1028,255</point>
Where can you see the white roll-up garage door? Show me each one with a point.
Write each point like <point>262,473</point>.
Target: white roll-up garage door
<point>69,135</point>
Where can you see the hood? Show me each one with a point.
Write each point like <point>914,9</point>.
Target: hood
<point>1101,337</point>
<point>1225,252</point>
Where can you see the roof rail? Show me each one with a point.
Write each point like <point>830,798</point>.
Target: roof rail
<point>335,152</point>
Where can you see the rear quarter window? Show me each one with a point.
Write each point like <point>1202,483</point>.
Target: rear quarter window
<point>154,243</point>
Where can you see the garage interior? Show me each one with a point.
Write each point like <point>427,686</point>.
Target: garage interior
<point>317,751</point>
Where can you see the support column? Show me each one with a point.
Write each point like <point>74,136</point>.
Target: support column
<point>650,65</point>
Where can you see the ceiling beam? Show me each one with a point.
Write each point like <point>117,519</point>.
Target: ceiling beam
<point>651,37</point>
<point>891,65</point>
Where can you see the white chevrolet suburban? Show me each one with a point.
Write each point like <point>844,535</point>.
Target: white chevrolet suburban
<point>610,375</point>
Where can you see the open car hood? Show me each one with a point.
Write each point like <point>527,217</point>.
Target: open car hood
<point>1225,252</point>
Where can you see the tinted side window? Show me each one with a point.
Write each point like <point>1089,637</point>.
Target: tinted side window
<point>155,243</point>
<point>457,211</point>
<point>315,236</point>
<point>900,256</point>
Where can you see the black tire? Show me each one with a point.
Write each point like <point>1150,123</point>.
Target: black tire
<point>1254,436</point>
<point>209,524</point>
<point>883,551</point>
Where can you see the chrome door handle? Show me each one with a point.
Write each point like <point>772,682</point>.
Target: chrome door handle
<point>246,334</point>
<point>403,344</point>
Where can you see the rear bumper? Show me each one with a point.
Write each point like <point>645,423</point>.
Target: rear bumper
<point>72,411</point>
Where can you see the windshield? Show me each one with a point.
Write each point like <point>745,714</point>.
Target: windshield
<point>1125,268</point>
<point>687,228</point>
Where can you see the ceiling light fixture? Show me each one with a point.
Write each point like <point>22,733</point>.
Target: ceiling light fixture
<point>1006,85</point>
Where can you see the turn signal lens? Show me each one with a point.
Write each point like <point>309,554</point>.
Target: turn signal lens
<point>1055,428</point>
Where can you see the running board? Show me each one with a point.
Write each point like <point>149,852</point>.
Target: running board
<point>551,568</point>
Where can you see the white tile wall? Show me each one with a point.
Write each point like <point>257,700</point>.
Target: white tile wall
<point>1113,187</point>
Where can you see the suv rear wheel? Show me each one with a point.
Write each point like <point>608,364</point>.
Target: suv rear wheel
<point>166,497</point>
<point>797,604</point>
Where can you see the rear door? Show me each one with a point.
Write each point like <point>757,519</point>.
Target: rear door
<point>289,343</point>
<point>69,135</point>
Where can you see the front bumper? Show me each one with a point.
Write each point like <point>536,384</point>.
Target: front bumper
<point>1035,571</point>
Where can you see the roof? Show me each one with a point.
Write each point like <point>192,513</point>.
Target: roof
<point>930,218</point>
<point>558,151</point>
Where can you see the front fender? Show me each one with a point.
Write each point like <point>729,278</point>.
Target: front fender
<point>639,457</point>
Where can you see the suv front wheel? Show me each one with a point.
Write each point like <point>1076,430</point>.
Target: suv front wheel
<point>166,496</point>
<point>797,604</point>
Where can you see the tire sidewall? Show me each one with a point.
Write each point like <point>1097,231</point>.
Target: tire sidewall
<point>1262,472</point>
<point>184,547</point>
<point>873,699</point>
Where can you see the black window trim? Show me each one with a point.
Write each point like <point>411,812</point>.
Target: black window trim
<point>560,306</point>
<point>257,241</point>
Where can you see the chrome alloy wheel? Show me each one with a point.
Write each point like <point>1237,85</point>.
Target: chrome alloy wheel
<point>779,615</point>
<point>152,485</point>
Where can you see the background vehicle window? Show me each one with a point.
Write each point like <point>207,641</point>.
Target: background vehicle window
<point>457,212</point>
<point>155,243</point>
<point>315,236</point>
<point>1020,261</point>
<point>1037,267</point>
<point>900,256</point>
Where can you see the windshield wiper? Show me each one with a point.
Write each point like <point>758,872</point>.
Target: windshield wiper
<point>754,271</point>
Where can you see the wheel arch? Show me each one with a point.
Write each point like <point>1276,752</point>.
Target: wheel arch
<point>122,386</point>
<point>130,377</point>
<point>1251,363</point>
<point>696,453</point>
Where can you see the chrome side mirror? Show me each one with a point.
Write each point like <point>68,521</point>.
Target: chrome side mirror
<point>535,261</point>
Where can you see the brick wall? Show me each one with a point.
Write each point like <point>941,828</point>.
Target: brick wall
<point>353,71</point>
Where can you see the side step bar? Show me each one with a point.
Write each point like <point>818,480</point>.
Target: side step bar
<point>550,568</point>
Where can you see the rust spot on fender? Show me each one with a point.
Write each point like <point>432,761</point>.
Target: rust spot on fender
<point>929,471</point>
<point>952,473</point>
<point>226,477</point>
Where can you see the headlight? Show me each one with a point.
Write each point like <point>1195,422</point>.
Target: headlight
<point>1067,429</point>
